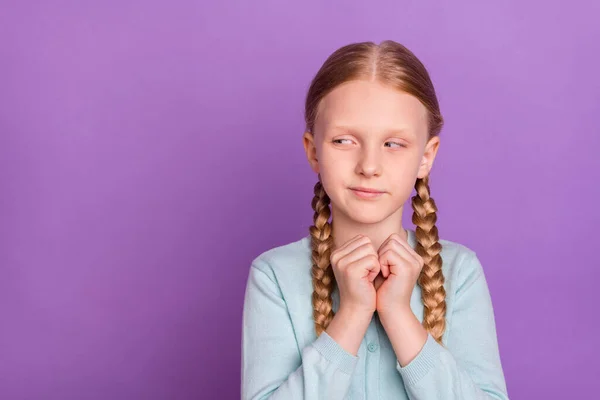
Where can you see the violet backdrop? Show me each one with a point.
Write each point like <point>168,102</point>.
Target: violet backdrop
<point>149,150</point>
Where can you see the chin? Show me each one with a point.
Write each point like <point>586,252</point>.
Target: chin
<point>367,220</point>
<point>366,215</point>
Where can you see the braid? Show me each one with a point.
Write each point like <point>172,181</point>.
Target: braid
<point>431,279</point>
<point>322,273</point>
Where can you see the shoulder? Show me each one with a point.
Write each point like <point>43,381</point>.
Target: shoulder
<point>460,265</point>
<point>454,254</point>
<point>286,253</point>
<point>292,260</point>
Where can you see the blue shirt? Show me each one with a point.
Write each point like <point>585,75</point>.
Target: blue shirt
<point>282,357</point>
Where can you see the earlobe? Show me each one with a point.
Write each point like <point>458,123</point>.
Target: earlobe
<point>428,157</point>
<point>423,169</point>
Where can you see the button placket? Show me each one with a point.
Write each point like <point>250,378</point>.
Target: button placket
<point>372,347</point>
<point>372,361</point>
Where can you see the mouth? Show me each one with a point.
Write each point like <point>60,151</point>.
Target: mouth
<point>367,193</point>
<point>368,190</point>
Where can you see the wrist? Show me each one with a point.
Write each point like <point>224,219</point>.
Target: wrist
<point>395,313</point>
<point>356,315</point>
<point>348,328</point>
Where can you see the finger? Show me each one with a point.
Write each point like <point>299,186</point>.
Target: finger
<point>411,252</point>
<point>360,252</point>
<point>384,263</point>
<point>365,267</point>
<point>348,247</point>
<point>349,242</point>
<point>397,242</point>
<point>393,236</point>
<point>385,242</point>
<point>385,267</point>
<point>394,260</point>
<point>374,272</point>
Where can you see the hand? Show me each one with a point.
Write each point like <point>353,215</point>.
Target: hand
<point>400,269</point>
<point>355,266</point>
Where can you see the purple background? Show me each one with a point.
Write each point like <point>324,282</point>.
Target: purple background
<point>149,150</point>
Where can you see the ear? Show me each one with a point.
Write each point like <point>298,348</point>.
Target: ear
<point>308,139</point>
<point>429,154</point>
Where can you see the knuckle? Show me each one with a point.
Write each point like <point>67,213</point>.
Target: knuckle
<point>349,272</point>
<point>373,259</point>
<point>397,238</point>
<point>419,259</point>
<point>334,259</point>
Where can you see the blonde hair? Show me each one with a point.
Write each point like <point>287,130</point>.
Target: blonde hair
<point>393,64</point>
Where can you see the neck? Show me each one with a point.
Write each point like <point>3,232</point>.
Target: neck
<point>345,228</point>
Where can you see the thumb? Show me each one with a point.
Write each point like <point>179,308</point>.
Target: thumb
<point>374,269</point>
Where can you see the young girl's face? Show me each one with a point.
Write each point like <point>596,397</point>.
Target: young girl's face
<point>371,136</point>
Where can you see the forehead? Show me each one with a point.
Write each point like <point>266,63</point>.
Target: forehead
<point>366,105</point>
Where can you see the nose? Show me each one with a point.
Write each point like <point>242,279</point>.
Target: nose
<point>369,162</point>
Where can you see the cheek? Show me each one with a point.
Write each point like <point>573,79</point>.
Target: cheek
<point>336,170</point>
<point>330,172</point>
<point>403,168</point>
<point>402,177</point>
<point>332,162</point>
<point>333,172</point>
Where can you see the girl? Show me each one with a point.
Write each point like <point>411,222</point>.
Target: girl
<point>363,308</point>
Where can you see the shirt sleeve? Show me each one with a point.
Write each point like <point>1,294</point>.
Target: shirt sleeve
<point>469,367</point>
<point>273,365</point>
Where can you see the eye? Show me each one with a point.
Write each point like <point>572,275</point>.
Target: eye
<point>395,144</point>
<point>341,140</point>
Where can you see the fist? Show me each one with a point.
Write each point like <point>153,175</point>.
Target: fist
<point>400,268</point>
<point>355,266</point>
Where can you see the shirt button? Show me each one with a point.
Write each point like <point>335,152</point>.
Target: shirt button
<point>372,347</point>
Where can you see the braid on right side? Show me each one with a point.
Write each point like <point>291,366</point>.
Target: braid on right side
<point>431,280</point>
<point>322,273</point>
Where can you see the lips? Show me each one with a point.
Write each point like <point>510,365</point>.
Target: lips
<point>367,190</point>
<point>367,193</point>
